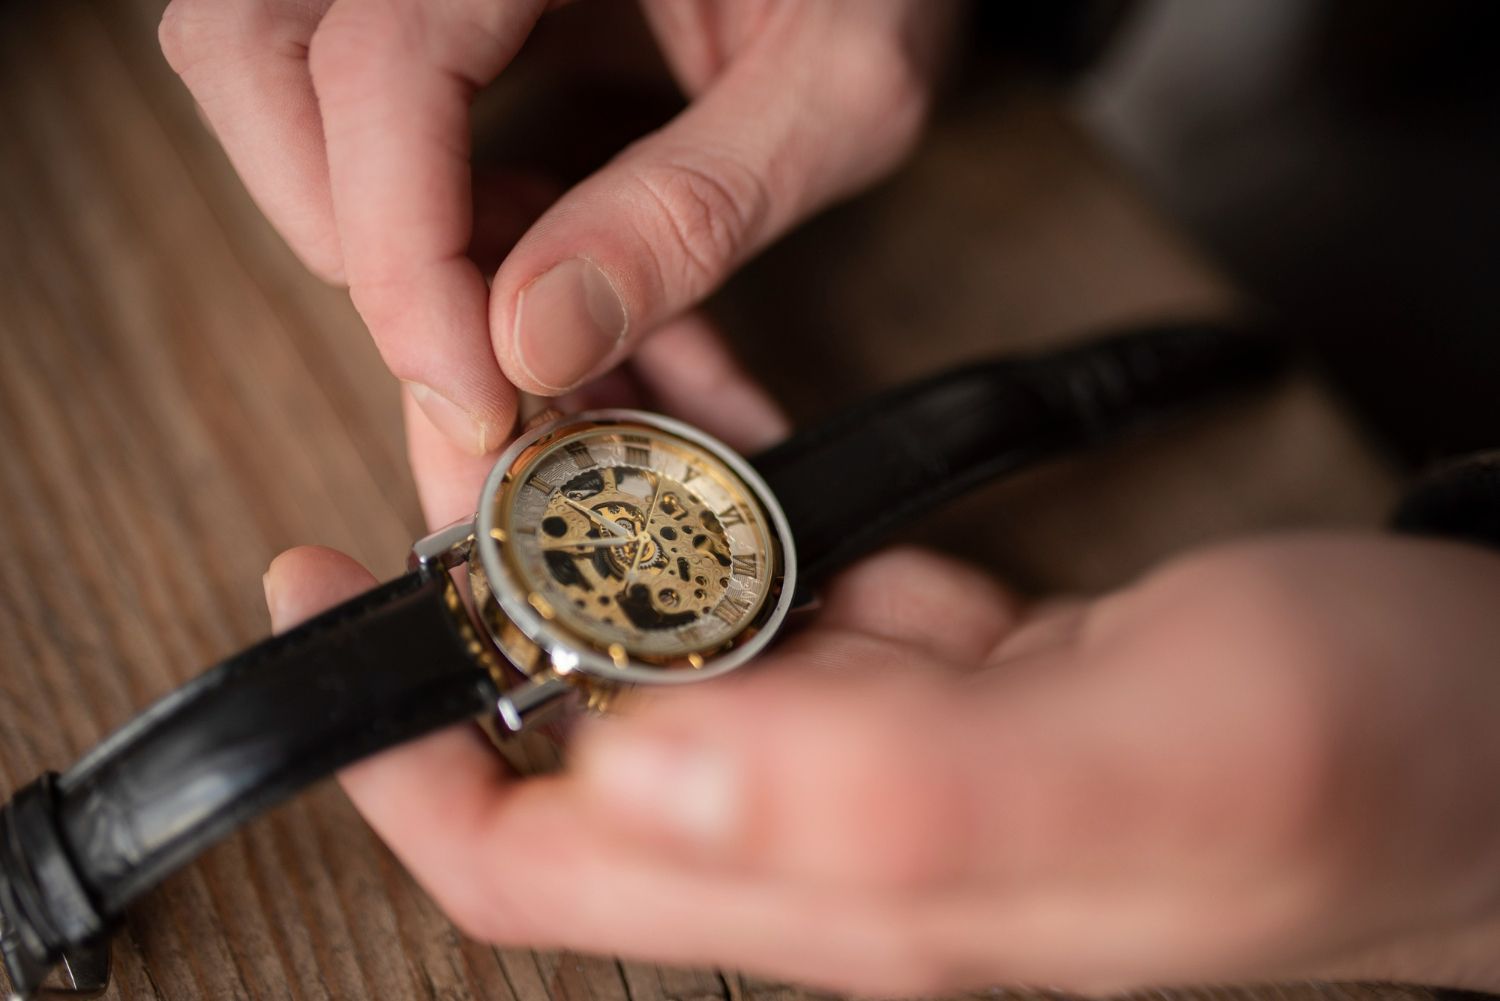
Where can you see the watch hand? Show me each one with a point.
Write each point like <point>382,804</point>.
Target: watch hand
<point>590,543</point>
<point>645,532</point>
<point>651,511</point>
<point>603,522</point>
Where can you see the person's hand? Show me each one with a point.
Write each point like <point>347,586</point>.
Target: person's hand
<point>348,120</point>
<point>1272,760</point>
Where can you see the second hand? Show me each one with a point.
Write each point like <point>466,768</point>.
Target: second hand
<point>645,534</point>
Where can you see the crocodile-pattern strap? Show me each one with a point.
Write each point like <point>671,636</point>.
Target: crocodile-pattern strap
<point>385,667</point>
<point>847,483</point>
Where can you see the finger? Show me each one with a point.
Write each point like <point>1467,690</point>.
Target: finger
<point>393,79</point>
<point>807,114</point>
<point>886,769</point>
<point>449,478</point>
<point>857,788</point>
<point>951,830</point>
<point>245,63</point>
<point>429,795</point>
<point>687,370</point>
<point>524,865</point>
<point>575,887</point>
<point>617,388</point>
<point>1045,627</point>
<point>691,373</point>
<point>520,863</point>
<point>308,580</point>
<point>944,606</point>
<point>866,788</point>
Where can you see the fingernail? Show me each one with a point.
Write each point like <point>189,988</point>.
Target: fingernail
<point>670,788</point>
<point>463,428</point>
<point>568,321</point>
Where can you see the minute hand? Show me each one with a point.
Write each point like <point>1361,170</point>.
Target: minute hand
<point>645,532</point>
<point>603,522</point>
<point>589,544</point>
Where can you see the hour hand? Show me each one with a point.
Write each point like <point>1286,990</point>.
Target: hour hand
<point>603,522</point>
<point>588,543</point>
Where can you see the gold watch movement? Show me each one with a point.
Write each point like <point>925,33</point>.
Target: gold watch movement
<point>620,547</point>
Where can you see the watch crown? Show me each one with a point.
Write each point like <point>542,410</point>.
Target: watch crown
<point>444,549</point>
<point>533,701</point>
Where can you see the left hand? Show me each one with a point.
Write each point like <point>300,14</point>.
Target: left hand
<point>1270,760</point>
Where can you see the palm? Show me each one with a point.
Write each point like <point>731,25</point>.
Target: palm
<point>928,786</point>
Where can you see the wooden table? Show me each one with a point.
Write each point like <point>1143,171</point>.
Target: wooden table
<point>179,402</point>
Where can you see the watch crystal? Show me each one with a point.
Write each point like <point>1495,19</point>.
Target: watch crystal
<point>644,544</point>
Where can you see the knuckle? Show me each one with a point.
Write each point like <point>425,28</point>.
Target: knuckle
<point>900,843</point>
<point>475,37</point>
<point>886,814</point>
<point>193,32</point>
<point>388,310</point>
<point>879,87</point>
<point>354,41</point>
<point>1281,743</point>
<point>188,30</point>
<point>707,210</point>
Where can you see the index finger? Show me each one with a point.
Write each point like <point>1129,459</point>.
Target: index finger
<point>393,80</point>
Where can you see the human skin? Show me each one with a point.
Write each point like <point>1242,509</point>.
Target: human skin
<point>1273,759</point>
<point>348,121</point>
<point>1268,760</point>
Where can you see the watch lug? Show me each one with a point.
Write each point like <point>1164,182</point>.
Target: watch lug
<point>805,601</point>
<point>533,701</point>
<point>444,549</point>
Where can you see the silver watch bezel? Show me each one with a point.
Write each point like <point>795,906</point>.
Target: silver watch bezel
<point>565,652</point>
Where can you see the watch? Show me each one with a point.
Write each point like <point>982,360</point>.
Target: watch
<point>610,549</point>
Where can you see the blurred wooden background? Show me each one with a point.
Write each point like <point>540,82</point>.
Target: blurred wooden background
<point>179,402</point>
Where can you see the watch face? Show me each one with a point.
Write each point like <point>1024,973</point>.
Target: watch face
<point>637,542</point>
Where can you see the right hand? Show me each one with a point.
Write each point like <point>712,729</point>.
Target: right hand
<point>348,120</point>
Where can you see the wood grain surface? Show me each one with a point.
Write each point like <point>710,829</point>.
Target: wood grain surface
<point>179,402</point>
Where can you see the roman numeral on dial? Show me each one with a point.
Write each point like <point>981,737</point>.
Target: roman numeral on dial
<point>731,609</point>
<point>746,566</point>
<point>730,516</point>
<point>637,450</point>
<point>582,457</point>
<point>543,481</point>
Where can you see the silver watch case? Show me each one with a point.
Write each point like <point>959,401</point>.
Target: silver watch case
<point>566,659</point>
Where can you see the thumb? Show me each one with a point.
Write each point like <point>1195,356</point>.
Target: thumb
<point>820,780</point>
<point>308,580</point>
<point>780,134</point>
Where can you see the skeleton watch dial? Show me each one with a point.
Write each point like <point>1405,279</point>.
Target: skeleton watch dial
<point>638,541</point>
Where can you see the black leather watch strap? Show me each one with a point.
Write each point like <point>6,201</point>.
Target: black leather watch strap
<point>403,659</point>
<point>385,667</point>
<point>1459,500</point>
<point>847,483</point>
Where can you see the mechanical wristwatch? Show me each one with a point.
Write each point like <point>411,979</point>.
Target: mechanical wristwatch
<point>610,549</point>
